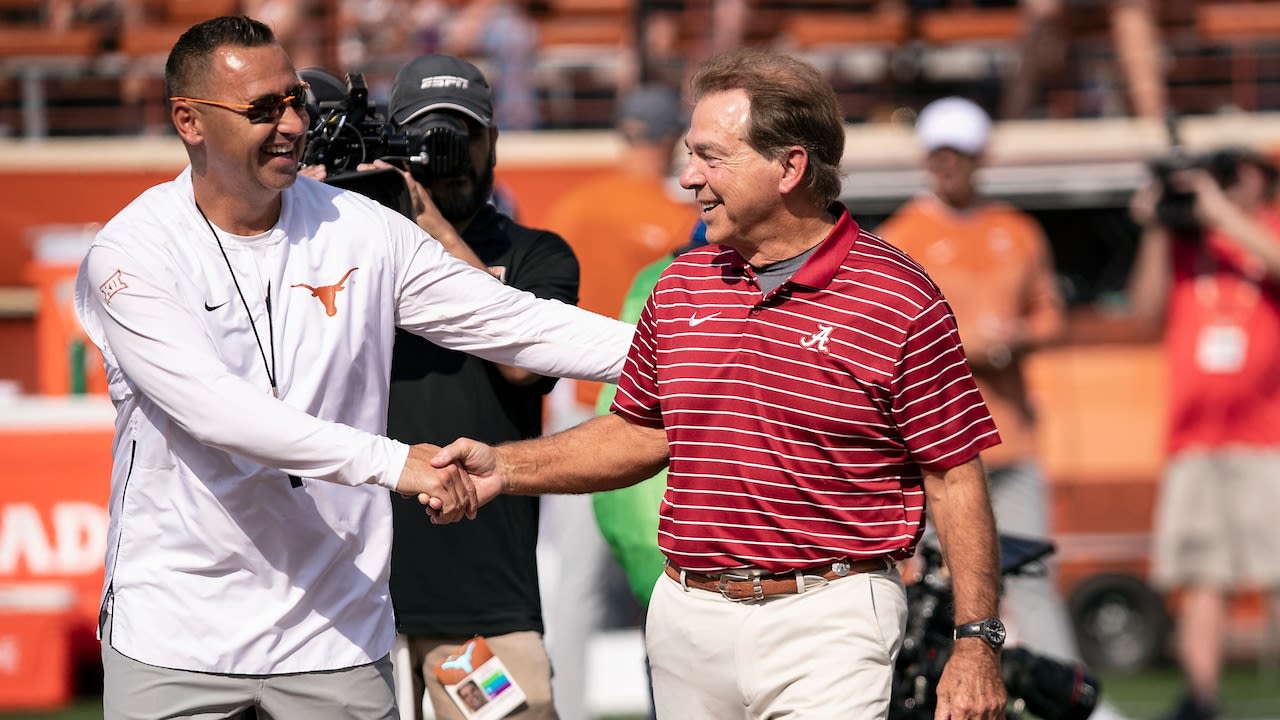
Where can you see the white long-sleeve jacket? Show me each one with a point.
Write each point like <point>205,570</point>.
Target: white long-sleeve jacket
<point>215,562</point>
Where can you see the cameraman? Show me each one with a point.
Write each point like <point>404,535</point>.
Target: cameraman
<point>451,583</point>
<point>1206,274</point>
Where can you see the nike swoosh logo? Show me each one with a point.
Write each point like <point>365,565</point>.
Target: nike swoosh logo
<point>214,307</point>
<point>695,321</point>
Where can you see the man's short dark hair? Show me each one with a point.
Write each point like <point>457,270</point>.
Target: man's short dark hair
<point>189,58</point>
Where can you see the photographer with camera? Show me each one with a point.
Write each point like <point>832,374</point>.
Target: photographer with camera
<point>443,107</point>
<point>1206,274</point>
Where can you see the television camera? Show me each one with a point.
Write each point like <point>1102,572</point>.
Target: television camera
<point>1043,687</point>
<point>347,130</point>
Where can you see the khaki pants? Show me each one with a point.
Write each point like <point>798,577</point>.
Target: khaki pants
<point>1215,521</point>
<point>826,653</point>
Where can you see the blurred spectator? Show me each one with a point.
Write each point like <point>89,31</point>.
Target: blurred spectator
<point>626,218</point>
<point>993,264</point>
<point>661,52</point>
<point>496,34</point>
<point>375,38</point>
<point>110,15</point>
<point>1043,49</point>
<point>294,24</point>
<point>1207,273</point>
<point>628,517</point>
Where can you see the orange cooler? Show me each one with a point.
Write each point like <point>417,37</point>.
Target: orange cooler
<point>67,363</point>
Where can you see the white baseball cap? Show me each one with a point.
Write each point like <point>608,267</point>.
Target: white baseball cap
<point>953,122</point>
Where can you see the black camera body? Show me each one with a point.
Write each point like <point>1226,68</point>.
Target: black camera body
<point>1175,209</point>
<point>1046,688</point>
<point>347,130</point>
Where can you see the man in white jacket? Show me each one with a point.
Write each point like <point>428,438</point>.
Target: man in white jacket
<point>246,321</point>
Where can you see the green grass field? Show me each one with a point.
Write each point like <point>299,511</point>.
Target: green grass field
<point>1247,695</point>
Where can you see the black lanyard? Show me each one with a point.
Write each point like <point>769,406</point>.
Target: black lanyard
<point>294,480</point>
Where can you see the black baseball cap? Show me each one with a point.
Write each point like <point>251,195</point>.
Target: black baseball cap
<point>440,82</point>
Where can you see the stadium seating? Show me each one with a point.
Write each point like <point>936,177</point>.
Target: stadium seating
<point>31,56</point>
<point>880,55</point>
<point>1249,32</point>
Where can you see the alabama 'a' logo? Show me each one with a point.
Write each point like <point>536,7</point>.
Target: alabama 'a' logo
<point>328,294</point>
<point>817,342</point>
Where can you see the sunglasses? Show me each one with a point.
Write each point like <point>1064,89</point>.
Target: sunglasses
<point>266,109</point>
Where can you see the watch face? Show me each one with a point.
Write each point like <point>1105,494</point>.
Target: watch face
<point>993,632</point>
<point>989,630</point>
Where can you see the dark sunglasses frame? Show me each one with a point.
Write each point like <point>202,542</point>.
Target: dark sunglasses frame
<point>266,109</point>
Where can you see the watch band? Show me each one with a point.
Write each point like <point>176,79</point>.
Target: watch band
<point>990,630</point>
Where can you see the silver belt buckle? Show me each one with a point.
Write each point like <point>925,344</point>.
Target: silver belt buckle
<point>753,575</point>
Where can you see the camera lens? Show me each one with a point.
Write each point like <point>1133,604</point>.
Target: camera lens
<point>444,142</point>
<point>1052,690</point>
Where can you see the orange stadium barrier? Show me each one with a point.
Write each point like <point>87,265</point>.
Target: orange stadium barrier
<point>35,651</point>
<point>53,532</point>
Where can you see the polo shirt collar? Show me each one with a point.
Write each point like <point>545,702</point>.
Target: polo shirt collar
<point>821,267</point>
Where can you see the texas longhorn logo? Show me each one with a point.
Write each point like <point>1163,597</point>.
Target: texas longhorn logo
<point>327,294</point>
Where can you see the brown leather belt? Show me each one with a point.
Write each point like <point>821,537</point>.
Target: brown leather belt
<point>757,584</point>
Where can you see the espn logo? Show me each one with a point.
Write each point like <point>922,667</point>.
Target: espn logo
<point>445,81</point>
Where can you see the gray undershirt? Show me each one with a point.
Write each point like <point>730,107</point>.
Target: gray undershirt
<point>771,277</point>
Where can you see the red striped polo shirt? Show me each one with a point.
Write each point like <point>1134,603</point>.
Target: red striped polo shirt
<point>799,423</point>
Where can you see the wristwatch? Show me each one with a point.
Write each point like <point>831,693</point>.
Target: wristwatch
<point>990,630</point>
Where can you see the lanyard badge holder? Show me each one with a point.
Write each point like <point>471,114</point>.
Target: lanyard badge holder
<point>1222,345</point>
<point>478,682</point>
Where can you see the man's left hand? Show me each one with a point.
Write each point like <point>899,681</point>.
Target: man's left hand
<point>970,687</point>
<point>315,172</point>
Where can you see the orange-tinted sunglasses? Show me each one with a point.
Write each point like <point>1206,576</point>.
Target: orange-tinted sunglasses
<point>266,109</point>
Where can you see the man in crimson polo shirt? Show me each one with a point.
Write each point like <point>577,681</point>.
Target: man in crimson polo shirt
<point>805,383</point>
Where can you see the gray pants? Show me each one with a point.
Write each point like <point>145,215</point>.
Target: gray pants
<point>133,691</point>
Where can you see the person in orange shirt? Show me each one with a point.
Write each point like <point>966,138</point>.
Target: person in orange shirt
<point>993,264</point>
<point>620,221</point>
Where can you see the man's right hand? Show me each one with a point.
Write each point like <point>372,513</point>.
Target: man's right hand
<point>425,212</point>
<point>479,461</point>
<point>447,491</point>
<point>427,216</point>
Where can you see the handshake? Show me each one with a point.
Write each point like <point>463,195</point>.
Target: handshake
<point>604,453</point>
<point>453,481</point>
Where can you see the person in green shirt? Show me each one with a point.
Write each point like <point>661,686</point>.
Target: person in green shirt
<point>628,517</point>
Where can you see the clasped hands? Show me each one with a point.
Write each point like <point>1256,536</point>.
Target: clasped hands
<point>451,482</point>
